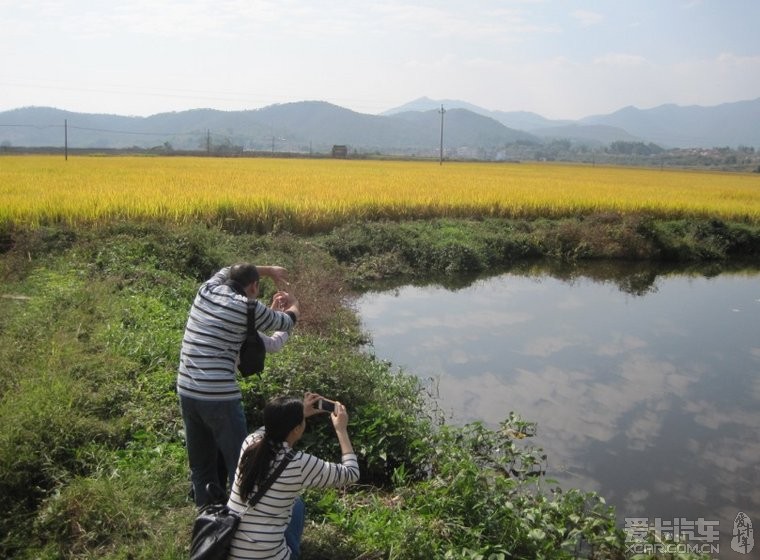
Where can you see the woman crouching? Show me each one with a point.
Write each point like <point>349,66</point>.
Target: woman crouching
<point>272,528</point>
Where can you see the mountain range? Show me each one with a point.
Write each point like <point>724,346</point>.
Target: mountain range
<point>671,126</point>
<point>411,129</point>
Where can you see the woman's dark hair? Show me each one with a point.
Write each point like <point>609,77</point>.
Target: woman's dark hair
<point>281,415</point>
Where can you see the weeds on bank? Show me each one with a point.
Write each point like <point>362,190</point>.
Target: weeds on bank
<point>475,503</point>
<point>92,454</point>
<point>378,251</point>
<point>92,463</point>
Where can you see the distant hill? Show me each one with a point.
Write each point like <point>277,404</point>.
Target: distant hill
<point>672,126</point>
<point>520,120</point>
<point>424,104</point>
<point>470,129</point>
<point>296,127</point>
<point>411,129</point>
<point>728,124</point>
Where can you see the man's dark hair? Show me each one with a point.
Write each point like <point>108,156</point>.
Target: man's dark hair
<point>244,274</point>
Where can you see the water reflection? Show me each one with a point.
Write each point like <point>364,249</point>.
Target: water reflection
<point>644,383</point>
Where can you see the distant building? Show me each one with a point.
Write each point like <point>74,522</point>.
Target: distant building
<point>339,151</point>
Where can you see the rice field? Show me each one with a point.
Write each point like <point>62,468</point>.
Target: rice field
<point>305,195</point>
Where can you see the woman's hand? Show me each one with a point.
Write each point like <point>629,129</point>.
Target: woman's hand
<point>309,404</point>
<point>339,417</point>
<point>340,422</point>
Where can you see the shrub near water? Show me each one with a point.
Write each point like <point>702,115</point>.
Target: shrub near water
<point>476,504</point>
<point>384,250</point>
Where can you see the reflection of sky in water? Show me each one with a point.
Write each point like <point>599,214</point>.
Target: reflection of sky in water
<point>650,400</point>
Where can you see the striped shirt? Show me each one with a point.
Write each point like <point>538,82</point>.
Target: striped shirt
<point>261,533</point>
<point>275,342</point>
<point>215,330</point>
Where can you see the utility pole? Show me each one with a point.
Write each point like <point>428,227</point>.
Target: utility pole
<point>442,111</point>
<point>65,139</point>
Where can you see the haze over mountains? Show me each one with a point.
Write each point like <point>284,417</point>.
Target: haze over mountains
<point>413,128</point>
<point>671,126</point>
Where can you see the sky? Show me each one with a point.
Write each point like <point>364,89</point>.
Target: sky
<point>561,59</point>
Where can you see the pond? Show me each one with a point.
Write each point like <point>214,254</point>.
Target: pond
<point>644,384</point>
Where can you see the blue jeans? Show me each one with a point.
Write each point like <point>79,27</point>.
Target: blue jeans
<point>212,427</point>
<point>295,528</point>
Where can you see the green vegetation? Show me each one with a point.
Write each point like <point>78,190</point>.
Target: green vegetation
<point>378,251</point>
<point>92,462</point>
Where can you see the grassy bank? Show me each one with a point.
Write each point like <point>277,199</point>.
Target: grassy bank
<point>381,250</point>
<point>92,462</point>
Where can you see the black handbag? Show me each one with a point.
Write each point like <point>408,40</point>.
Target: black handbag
<point>215,525</point>
<point>213,530</point>
<point>252,352</point>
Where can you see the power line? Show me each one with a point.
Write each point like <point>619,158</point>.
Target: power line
<point>39,127</point>
<point>133,132</point>
<point>42,127</point>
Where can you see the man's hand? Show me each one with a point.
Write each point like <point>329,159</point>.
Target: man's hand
<point>278,274</point>
<point>279,301</point>
<point>284,300</point>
